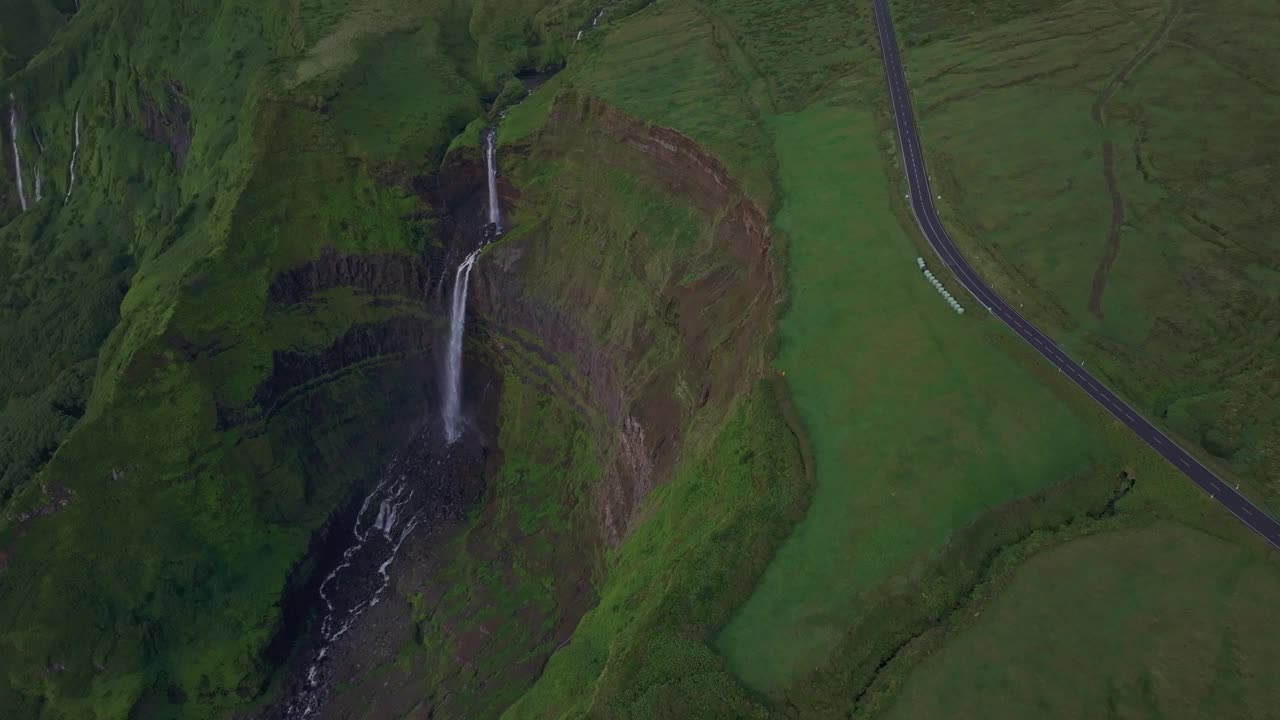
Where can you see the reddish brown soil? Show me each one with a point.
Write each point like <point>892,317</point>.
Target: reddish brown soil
<point>724,318</point>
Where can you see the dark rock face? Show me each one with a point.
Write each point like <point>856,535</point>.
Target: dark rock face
<point>375,274</point>
<point>402,335</point>
<point>170,126</point>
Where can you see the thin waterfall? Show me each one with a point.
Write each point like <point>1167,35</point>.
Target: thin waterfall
<point>453,361</point>
<point>75,149</point>
<point>39,163</point>
<point>17,157</point>
<point>491,162</point>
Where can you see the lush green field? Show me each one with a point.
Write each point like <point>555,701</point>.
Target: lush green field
<point>1173,299</point>
<point>1159,621</point>
<point>919,418</point>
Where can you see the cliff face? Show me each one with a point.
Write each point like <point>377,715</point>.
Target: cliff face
<point>609,365</point>
<point>375,274</point>
<point>721,317</point>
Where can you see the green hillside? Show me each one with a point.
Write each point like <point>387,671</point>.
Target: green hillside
<point>726,453</point>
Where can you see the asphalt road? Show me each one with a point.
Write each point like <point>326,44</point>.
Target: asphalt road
<point>927,218</point>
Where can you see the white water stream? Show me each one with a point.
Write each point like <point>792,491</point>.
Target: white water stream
<point>17,156</point>
<point>379,531</point>
<point>39,163</point>
<point>491,164</point>
<point>75,150</point>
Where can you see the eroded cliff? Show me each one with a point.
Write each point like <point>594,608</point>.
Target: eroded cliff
<point>629,307</point>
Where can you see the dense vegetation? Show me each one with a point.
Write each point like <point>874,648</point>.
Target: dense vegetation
<point>886,507</point>
<point>236,141</point>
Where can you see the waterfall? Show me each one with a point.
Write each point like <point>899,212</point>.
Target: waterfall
<point>491,162</point>
<point>453,361</point>
<point>39,162</point>
<point>17,157</point>
<point>75,149</point>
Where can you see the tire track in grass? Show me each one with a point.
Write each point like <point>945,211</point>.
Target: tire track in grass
<point>1098,113</point>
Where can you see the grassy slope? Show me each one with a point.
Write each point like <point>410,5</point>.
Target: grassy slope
<point>26,27</point>
<point>643,651</point>
<point>1188,324</point>
<point>1115,615</point>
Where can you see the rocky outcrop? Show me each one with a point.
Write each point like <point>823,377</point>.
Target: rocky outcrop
<point>53,497</point>
<point>169,125</point>
<point>403,275</point>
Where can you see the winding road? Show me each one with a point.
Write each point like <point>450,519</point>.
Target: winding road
<point>927,218</point>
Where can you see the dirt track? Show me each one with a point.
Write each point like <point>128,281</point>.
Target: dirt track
<point>1098,113</point>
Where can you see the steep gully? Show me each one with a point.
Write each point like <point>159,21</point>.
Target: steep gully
<point>400,501</point>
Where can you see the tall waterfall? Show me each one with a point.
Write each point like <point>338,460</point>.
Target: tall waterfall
<point>75,149</point>
<point>491,163</point>
<point>17,157</point>
<point>453,361</point>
